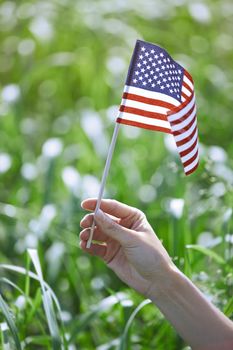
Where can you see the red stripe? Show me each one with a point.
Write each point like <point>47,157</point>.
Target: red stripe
<point>185,128</point>
<point>188,150</point>
<point>187,86</point>
<point>144,126</point>
<point>181,106</point>
<point>188,76</point>
<point>186,139</point>
<point>192,170</point>
<point>143,113</point>
<point>184,95</point>
<point>188,162</point>
<point>178,121</point>
<point>149,101</point>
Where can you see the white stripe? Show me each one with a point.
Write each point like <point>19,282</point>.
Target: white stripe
<point>186,91</point>
<point>182,112</point>
<point>183,124</point>
<point>192,165</point>
<point>144,106</point>
<point>189,143</point>
<point>187,81</point>
<point>186,133</point>
<point>190,154</point>
<point>144,120</point>
<point>182,99</point>
<point>151,94</point>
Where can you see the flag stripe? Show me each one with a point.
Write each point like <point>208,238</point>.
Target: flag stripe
<point>187,135</point>
<point>177,112</point>
<point>178,132</point>
<point>186,92</point>
<point>190,161</point>
<point>190,154</point>
<point>191,168</point>
<point>143,113</point>
<point>144,126</point>
<point>177,122</point>
<point>185,123</point>
<point>188,144</point>
<point>149,101</point>
<point>186,86</point>
<point>151,94</point>
<point>144,106</point>
<point>189,149</point>
<point>145,120</point>
<point>188,77</point>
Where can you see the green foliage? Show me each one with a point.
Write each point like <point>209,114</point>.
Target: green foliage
<point>62,65</point>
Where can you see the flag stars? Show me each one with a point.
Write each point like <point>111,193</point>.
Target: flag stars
<point>150,80</point>
<point>139,65</point>
<point>150,59</point>
<point>135,81</point>
<point>146,75</point>
<point>142,70</point>
<point>140,78</point>
<point>143,49</point>
<point>156,57</point>
<point>140,57</point>
<point>147,54</point>
<point>148,67</point>
<point>161,55</point>
<point>137,72</point>
<point>144,83</point>
<point>152,51</point>
<point>145,62</point>
<point>162,87</point>
<point>157,69</point>
<point>152,72</point>
<point>153,85</point>
<point>161,74</point>
<point>159,62</point>
<point>153,64</point>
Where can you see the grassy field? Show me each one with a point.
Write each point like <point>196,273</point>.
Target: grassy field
<point>63,65</point>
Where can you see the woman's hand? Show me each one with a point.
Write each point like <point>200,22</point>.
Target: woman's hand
<point>124,239</point>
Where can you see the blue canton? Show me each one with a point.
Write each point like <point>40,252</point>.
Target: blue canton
<point>152,68</point>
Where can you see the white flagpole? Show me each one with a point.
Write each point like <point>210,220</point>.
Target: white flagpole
<point>104,178</point>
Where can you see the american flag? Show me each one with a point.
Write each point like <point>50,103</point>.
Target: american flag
<point>159,95</point>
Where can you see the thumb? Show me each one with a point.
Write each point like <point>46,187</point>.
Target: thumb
<point>112,229</point>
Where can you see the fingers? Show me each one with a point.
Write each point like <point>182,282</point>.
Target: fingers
<point>97,235</point>
<point>88,220</point>
<point>111,207</point>
<point>112,229</point>
<point>95,249</point>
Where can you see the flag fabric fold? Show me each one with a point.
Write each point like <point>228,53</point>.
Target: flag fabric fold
<point>159,95</point>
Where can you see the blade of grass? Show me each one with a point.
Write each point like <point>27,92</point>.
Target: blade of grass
<point>47,302</point>
<point>123,343</point>
<point>207,252</point>
<point>10,322</point>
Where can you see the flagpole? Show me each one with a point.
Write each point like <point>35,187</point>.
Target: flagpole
<point>104,178</point>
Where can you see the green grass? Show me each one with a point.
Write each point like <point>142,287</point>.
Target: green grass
<point>66,87</point>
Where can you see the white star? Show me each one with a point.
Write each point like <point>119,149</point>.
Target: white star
<point>142,70</point>
<point>179,71</point>
<point>137,72</point>
<point>156,57</point>
<point>161,55</point>
<point>146,75</point>
<point>162,87</point>
<point>171,91</point>
<point>178,96</point>
<point>164,60</point>
<point>172,84</point>
<point>178,78</point>
<point>144,62</point>
<point>166,73</point>
<point>163,67</point>
<point>155,77</point>
<point>139,65</point>
<point>140,78</point>
<point>157,69</point>
<point>135,81</point>
<point>153,85</point>
<point>143,49</point>
<point>152,72</point>
<point>152,51</point>
<point>148,67</point>
<point>175,90</point>
<point>141,57</point>
<point>158,82</point>
<point>169,78</point>
<point>164,79</point>
<point>153,64</point>
<point>168,59</point>
<point>144,83</point>
<point>150,59</point>
<point>147,54</point>
<point>150,80</point>
<point>159,61</point>
<point>161,74</point>
<point>167,85</point>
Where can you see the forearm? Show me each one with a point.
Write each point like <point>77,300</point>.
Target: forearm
<point>197,321</point>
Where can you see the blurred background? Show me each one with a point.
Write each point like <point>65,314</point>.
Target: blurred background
<point>63,65</point>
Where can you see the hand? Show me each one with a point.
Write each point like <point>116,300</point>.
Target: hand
<point>124,239</point>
